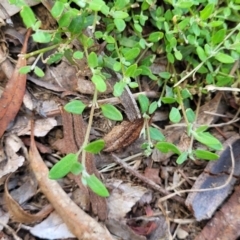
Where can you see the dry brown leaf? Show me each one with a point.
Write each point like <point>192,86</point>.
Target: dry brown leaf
<point>78,222</point>
<point>18,214</point>
<point>152,174</point>
<point>12,97</point>
<point>122,135</point>
<point>12,161</point>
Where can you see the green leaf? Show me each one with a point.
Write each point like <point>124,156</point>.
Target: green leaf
<point>224,58</point>
<point>166,147</point>
<point>202,154</point>
<point>131,53</point>
<point>42,37</point>
<point>168,100</point>
<point>133,85</point>
<point>165,75</point>
<point>93,60</point>
<point>77,24</point>
<point>153,107</point>
<point>131,70</point>
<point>78,55</point>
<point>95,146</point>
<point>25,69</point>
<point>178,55</point>
<point>182,158</point>
<point>201,54</point>
<point>63,167</point>
<point>207,11</point>
<point>120,14</point>
<point>118,88</point>
<point>54,58</point>
<point>155,36</point>
<point>97,186</point>
<point>174,115</point>
<point>120,24</point>
<point>155,134</point>
<point>185,93</point>
<point>207,139</point>
<point>28,16</point>
<point>190,115</point>
<point>75,107</point>
<point>144,103</point>
<point>96,5</point>
<point>57,9</point>
<point>77,168</point>
<point>38,71</point>
<point>218,36</point>
<point>202,128</point>
<point>184,3</point>
<point>99,83</point>
<point>117,66</point>
<point>65,19</point>
<point>111,112</point>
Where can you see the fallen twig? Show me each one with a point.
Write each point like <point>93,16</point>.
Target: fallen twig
<point>145,180</point>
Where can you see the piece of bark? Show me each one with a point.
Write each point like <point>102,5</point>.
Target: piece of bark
<point>122,135</point>
<point>78,222</point>
<point>12,97</point>
<point>225,224</point>
<point>74,130</point>
<point>204,204</point>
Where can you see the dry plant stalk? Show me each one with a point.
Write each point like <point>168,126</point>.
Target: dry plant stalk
<point>78,222</point>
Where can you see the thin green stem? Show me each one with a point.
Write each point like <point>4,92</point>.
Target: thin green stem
<point>87,135</point>
<point>40,51</point>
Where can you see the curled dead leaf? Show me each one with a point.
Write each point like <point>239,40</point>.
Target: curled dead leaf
<point>123,135</point>
<point>18,214</point>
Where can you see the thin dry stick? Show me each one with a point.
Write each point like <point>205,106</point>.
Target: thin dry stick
<point>145,180</point>
<point>205,189</point>
<point>15,236</point>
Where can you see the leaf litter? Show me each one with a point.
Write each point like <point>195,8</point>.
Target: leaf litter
<point>140,215</point>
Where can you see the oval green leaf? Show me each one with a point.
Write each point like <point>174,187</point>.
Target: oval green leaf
<point>99,83</point>
<point>166,147</point>
<point>96,186</point>
<point>75,107</point>
<point>155,134</point>
<point>120,24</point>
<point>28,16</point>
<point>206,155</point>
<point>57,9</point>
<point>175,115</point>
<point>224,58</point>
<point>182,158</point>
<point>93,60</point>
<point>111,112</point>
<point>77,168</point>
<point>39,72</point>
<point>63,167</point>
<point>95,146</point>
<point>144,102</point>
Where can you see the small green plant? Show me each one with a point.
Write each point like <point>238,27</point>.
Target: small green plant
<point>198,39</point>
<point>70,163</point>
